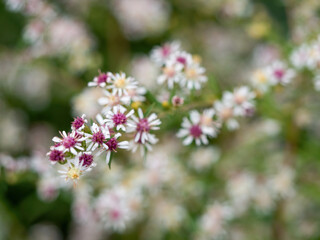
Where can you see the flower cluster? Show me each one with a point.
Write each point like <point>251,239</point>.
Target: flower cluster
<point>178,67</point>
<point>76,150</point>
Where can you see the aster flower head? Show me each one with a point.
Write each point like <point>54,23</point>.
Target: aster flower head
<point>112,99</point>
<point>193,76</point>
<point>74,169</point>
<point>97,138</point>
<point>260,80</point>
<point>120,84</point>
<point>86,159</point>
<point>242,99</point>
<point>70,142</point>
<point>196,128</point>
<point>101,80</point>
<point>118,118</point>
<point>79,123</point>
<point>161,54</point>
<point>225,112</point>
<point>56,155</point>
<point>280,74</point>
<point>113,144</point>
<point>171,73</point>
<point>142,126</point>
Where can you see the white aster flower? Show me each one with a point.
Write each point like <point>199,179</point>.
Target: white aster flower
<point>120,84</point>
<point>97,138</point>
<point>171,73</point>
<point>70,142</point>
<point>193,76</point>
<point>161,54</point>
<point>260,80</point>
<point>117,118</point>
<point>279,73</point>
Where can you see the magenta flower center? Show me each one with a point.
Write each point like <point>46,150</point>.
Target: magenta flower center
<point>195,131</point>
<point>78,123</point>
<point>119,118</point>
<point>182,60</point>
<point>166,51</point>
<point>98,137</point>
<point>102,78</point>
<point>69,142</point>
<point>143,125</point>
<point>112,144</point>
<point>56,155</point>
<point>87,159</point>
<point>279,73</point>
<point>115,214</point>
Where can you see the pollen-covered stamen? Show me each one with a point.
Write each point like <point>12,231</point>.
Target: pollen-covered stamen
<point>119,118</point>
<point>195,131</point>
<point>143,125</point>
<point>78,123</point>
<point>56,155</point>
<point>73,173</point>
<point>86,159</point>
<point>98,137</point>
<point>112,144</point>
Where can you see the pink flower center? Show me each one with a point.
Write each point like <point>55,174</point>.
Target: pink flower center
<point>143,125</point>
<point>77,123</point>
<point>98,137</point>
<point>279,73</point>
<point>182,60</point>
<point>115,214</point>
<point>56,155</point>
<point>87,159</point>
<point>102,78</point>
<point>69,142</point>
<point>112,144</point>
<point>119,118</point>
<point>166,51</point>
<point>195,131</point>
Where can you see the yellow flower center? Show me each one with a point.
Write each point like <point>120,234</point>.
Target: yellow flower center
<point>120,83</point>
<point>260,76</point>
<point>74,173</point>
<point>191,73</point>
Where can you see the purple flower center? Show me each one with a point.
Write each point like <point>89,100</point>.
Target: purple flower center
<point>143,125</point>
<point>77,123</point>
<point>56,155</point>
<point>182,60</point>
<point>102,78</point>
<point>195,131</point>
<point>98,137</point>
<point>279,73</point>
<point>112,144</point>
<point>69,142</point>
<point>115,214</point>
<point>119,118</point>
<point>87,159</point>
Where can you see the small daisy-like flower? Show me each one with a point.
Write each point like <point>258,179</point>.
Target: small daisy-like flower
<point>97,138</point>
<point>177,101</point>
<point>299,56</point>
<point>242,99</point>
<point>280,73</point>
<point>86,158</point>
<point>183,58</point>
<point>260,80</point>
<point>100,80</point>
<point>74,169</point>
<point>143,125</point>
<point>113,144</point>
<point>70,142</point>
<point>110,100</point>
<point>208,124</point>
<point>225,112</point>
<point>79,123</point>
<point>193,130</point>
<point>148,144</point>
<point>120,84</point>
<point>161,54</point>
<point>171,73</point>
<point>193,76</point>
<point>56,155</point>
<point>117,118</point>
<point>135,95</point>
